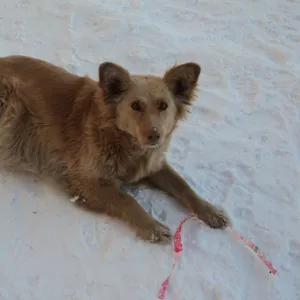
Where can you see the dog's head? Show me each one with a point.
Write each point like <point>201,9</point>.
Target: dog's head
<point>148,107</point>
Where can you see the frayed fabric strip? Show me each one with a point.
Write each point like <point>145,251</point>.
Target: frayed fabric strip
<point>256,250</point>
<point>178,249</point>
<point>164,285</point>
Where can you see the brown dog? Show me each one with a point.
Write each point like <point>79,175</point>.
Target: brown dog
<point>93,135</point>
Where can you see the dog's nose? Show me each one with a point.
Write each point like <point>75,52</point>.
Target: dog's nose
<point>153,136</point>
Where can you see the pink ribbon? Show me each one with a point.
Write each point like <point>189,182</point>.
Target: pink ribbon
<point>256,250</point>
<point>178,249</point>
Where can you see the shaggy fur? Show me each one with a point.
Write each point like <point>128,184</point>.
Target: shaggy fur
<point>93,135</point>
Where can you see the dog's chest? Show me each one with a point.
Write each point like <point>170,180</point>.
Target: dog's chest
<point>144,165</point>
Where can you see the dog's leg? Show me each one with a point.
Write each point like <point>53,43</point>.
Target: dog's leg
<point>175,186</point>
<point>102,198</point>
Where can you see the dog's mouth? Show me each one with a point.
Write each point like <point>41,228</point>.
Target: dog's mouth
<point>152,146</point>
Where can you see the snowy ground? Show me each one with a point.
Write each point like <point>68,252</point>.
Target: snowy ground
<point>240,148</point>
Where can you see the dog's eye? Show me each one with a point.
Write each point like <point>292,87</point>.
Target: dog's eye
<point>162,105</point>
<point>136,106</point>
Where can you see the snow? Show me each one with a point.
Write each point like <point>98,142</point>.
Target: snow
<point>240,149</point>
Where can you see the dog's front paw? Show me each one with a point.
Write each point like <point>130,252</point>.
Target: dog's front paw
<point>156,233</point>
<point>216,218</point>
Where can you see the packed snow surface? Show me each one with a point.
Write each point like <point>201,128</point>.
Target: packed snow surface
<point>240,149</point>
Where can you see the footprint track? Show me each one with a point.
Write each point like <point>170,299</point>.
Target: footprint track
<point>90,234</point>
<point>244,213</point>
<point>294,249</point>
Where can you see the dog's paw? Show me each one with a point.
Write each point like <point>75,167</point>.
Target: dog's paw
<point>216,218</point>
<point>157,233</point>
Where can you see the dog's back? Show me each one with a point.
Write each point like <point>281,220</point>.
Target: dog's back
<point>36,99</point>
<point>44,88</point>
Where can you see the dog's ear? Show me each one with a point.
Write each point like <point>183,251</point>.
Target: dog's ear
<point>182,82</point>
<point>113,79</point>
